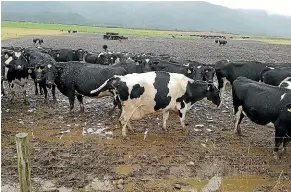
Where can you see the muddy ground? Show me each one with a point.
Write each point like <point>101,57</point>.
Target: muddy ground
<point>85,152</point>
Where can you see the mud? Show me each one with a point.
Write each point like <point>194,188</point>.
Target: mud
<point>85,151</point>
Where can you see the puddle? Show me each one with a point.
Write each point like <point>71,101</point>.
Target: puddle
<point>126,169</point>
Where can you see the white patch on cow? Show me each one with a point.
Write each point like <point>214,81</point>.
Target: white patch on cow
<point>100,54</point>
<point>49,66</point>
<point>271,125</point>
<point>187,65</point>
<point>117,60</point>
<point>6,72</point>
<point>6,56</point>
<point>8,60</point>
<point>271,68</point>
<point>58,55</point>
<point>189,71</point>
<point>286,83</point>
<point>17,54</point>
<point>147,60</point>
<point>29,71</point>
<point>199,67</point>
<point>18,66</point>
<point>282,96</point>
<point>227,60</point>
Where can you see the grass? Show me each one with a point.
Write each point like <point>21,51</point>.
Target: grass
<point>91,29</point>
<point>21,29</point>
<point>11,33</point>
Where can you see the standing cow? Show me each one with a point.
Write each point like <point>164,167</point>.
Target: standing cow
<point>151,92</point>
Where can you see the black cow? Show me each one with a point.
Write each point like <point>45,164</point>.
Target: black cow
<point>264,105</point>
<point>228,71</point>
<point>276,75</point>
<point>65,55</point>
<point>216,40</point>
<point>42,65</point>
<point>37,40</point>
<point>222,41</point>
<point>78,79</point>
<point>74,31</point>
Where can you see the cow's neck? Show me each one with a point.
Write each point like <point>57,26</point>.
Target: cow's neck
<point>197,91</point>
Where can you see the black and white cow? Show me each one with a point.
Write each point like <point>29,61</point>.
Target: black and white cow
<point>37,40</point>
<point>151,92</point>
<point>286,83</point>
<point>264,105</point>
<point>75,79</point>
<point>227,71</point>
<point>276,75</point>
<point>17,73</point>
<point>222,41</point>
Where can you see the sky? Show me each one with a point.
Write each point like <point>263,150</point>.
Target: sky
<point>282,7</point>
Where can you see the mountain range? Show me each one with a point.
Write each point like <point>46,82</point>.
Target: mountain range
<point>179,15</point>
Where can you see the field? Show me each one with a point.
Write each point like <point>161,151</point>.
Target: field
<point>85,152</point>
<point>53,29</point>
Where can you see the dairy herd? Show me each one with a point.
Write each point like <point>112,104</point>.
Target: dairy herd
<point>142,84</point>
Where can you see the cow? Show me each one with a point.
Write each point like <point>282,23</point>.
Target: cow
<point>276,75</point>
<point>222,41</point>
<point>286,83</point>
<point>216,40</point>
<point>264,105</point>
<point>65,55</point>
<point>5,55</point>
<point>42,65</point>
<point>37,40</point>
<point>17,73</point>
<point>131,66</point>
<point>75,79</point>
<point>161,65</point>
<point>151,92</point>
<point>227,71</point>
<point>74,31</point>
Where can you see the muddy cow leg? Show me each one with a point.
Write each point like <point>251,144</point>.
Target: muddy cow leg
<point>238,117</point>
<point>80,99</point>
<point>43,86</point>
<point>165,118</point>
<point>54,94</point>
<point>71,96</point>
<point>279,135</point>
<point>2,88</point>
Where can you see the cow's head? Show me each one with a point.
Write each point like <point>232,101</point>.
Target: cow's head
<point>208,73</point>
<point>79,54</point>
<point>213,94</point>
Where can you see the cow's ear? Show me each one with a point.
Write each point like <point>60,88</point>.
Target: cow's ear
<point>190,70</point>
<point>210,86</point>
<point>288,107</point>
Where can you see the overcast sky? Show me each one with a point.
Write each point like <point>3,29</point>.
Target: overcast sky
<point>282,7</point>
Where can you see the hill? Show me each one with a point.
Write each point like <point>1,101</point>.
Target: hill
<point>187,16</point>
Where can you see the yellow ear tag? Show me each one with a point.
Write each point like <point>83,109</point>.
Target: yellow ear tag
<point>39,70</point>
<point>289,110</point>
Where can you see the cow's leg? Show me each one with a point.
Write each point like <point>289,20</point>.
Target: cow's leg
<point>114,106</point>
<point>54,94</point>
<point>36,89</point>
<point>222,90</point>
<point>45,93</point>
<point>165,118</point>
<point>40,89</point>
<point>182,115</point>
<point>80,99</point>
<point>2,88</point>
<point>24,92</point>
<point>123,122</point>
<point>71,96</point>
<point>285,143</point>
<point>238,117</point>
<point>278,140</point>
<point>12,91</point>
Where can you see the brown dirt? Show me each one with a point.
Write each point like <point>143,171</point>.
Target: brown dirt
<point>71,159</point>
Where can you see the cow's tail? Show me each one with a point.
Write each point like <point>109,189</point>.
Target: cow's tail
<point>105,86</point>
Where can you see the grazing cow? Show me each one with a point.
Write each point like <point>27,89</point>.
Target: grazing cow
<point>78,79</point>
<point>286,83</point>
<point>228,71</point>
<point>17,73</point>
<point>216,40</point>
<point>65,55</point>
<point>276,75</point>
<point>264,105</point>
<point>43,66</point>
<point>151,92</point>
<point>222,41</point>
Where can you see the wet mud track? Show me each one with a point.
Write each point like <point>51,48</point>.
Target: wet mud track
<point>85,151</point>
